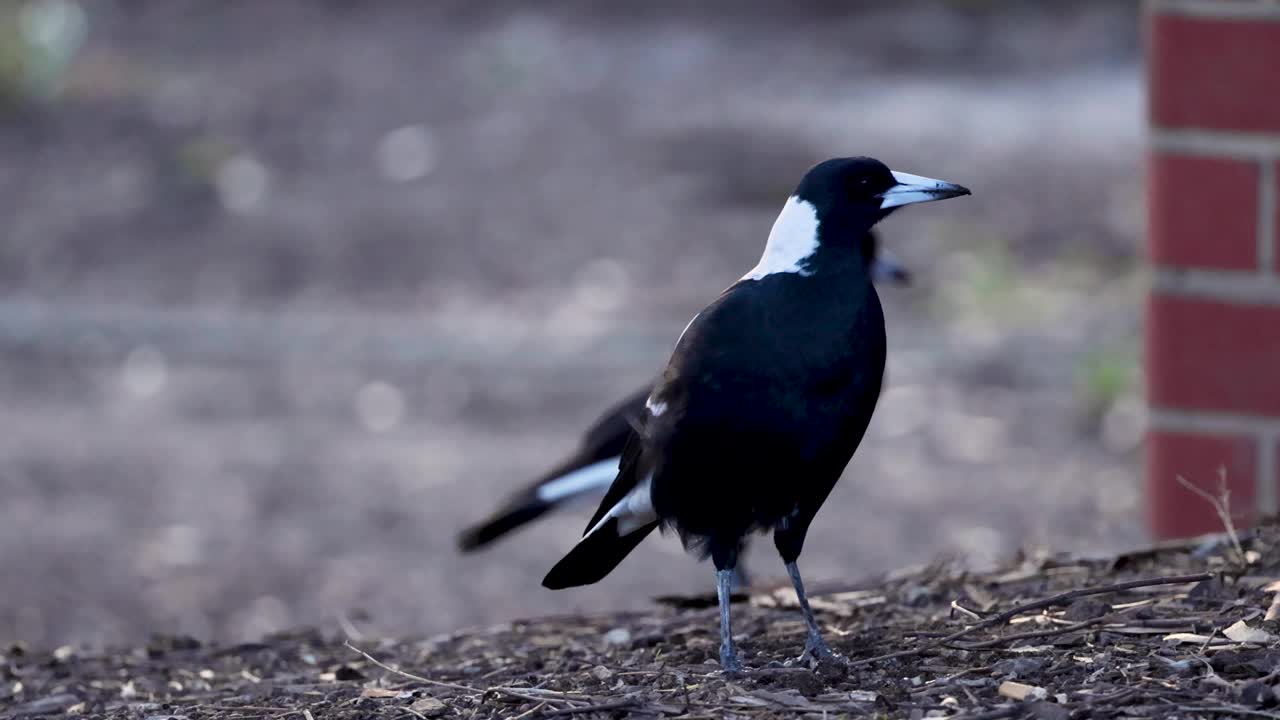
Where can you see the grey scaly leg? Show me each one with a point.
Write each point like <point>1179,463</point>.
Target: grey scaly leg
<point>815,648</point>
<point>729,661</point>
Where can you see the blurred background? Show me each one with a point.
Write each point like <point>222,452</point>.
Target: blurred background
<point>292,291</point>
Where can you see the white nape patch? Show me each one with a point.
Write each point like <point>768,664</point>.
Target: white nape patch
<point>793,240</point>
<point>594,477</point>
<point>633,511</point>
<point>655,407</point>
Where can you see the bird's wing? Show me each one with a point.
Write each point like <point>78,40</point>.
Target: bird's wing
<point>629,475</point>
<point>658,416</point>
<point>649,429</point>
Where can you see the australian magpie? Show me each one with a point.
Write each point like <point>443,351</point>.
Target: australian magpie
<point>591,468</point>
<point>767,394</point>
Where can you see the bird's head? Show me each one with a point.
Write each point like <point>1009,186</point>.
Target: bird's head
<point>835,206</point>
<point>849,195</point>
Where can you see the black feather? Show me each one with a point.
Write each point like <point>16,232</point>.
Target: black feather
<point>595,556</point>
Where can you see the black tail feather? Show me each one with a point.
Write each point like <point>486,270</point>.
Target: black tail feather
<point>502,522</point>
<point>595,556</point>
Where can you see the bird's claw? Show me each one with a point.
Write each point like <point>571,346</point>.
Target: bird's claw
<point>816,654</point>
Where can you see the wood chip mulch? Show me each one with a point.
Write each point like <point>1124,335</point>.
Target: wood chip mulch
<point>1185,630</point>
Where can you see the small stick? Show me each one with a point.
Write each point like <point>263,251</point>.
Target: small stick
<point>411,676</point>
<point>1222,506</point>
<point>614,705</point>
<point>1063,630</point>
<point>934,683</point>
<point>1036,605</point>
<point>521,693</point>
<point>1208,641</point>
<point>1228,709</point>
<point>957,607</point>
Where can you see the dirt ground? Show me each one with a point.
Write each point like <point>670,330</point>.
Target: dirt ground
<point>1186,631</point>
<point>292,291</point>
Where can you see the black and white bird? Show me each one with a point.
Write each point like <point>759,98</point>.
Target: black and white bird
<point>766,397</point>
<point>589,471</point>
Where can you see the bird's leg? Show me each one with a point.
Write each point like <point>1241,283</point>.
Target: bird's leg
<point>815,648</point>
<point>729,660</point>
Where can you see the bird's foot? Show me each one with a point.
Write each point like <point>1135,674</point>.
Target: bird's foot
<point>730,663</point>
<point>816,653</point>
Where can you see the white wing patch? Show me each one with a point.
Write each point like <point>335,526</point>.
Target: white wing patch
<point>593,477</point>
<point>793,239</point>
<point>656,407</point>
<point>633,511</point>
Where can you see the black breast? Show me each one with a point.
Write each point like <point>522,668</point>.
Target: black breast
<point>768,395</point>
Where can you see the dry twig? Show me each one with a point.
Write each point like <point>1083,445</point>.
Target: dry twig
<point>1058,599</point>
<point>1222,506</point>
<point>528,694</point>
<point>601,707</point>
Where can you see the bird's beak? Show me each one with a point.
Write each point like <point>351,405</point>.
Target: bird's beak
<point>916,189</point>
<point>888,268</point>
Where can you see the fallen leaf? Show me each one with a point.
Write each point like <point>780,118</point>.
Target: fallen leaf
<point>1021,691</point>
<point>1273,612</point>
<point>377,692</point>
<point>1241,632</point>
<point>429,706</point>
<point>1186,637</point>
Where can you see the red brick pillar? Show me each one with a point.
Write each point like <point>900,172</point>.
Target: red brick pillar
<point>1213,315</point>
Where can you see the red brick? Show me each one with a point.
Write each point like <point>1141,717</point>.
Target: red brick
<point>1214,73</point>
<point>1208,355</point>
<point>1203,212</point>
<point>1175,511</point>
